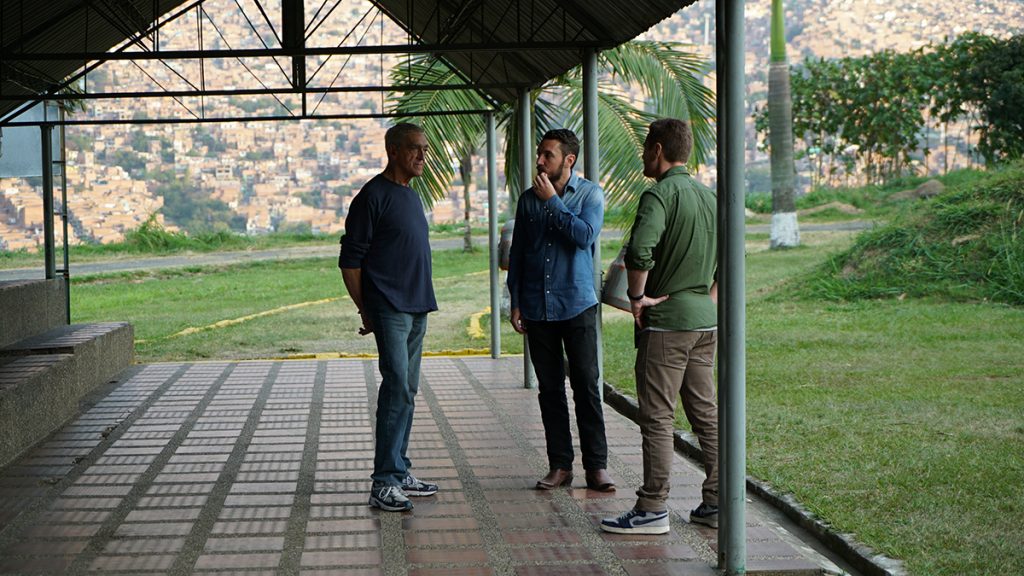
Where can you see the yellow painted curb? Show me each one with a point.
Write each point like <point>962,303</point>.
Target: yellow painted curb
<point>233,321</point>
<point>465,352</point>
<point>474,330</point>
<point>332,356</point>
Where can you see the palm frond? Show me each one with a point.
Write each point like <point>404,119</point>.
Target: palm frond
<point>451,136</point>
<point>622,128</point>
<point>670,76</point>
<point>547,114</point>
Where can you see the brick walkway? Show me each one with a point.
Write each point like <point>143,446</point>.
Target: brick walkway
<point>262,468</point>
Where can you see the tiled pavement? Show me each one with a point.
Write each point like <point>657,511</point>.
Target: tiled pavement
<point>262,468</point>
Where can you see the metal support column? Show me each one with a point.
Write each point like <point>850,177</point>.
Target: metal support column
<point>526,155</point>
<point>46,142</point>
<point>592,172</point>
<point>492,234</point>
<point>732,550</point>
<point>65,215</point>
<point>293,37</point>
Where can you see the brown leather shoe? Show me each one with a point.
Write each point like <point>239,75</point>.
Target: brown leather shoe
<point>555,478</point>
<point>600,481</point>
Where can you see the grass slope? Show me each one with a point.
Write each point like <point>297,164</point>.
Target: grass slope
<point>965,244</point>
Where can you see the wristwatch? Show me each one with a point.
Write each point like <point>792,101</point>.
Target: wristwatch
<point>635,298</point>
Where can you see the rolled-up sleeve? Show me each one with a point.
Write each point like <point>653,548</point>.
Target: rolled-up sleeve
<point>355,243</point>
<point>647,230</point>
<point>583,229</point>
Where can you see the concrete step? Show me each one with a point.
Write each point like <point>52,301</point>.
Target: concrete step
<point>37,395</point>
<point>44,378</point>
<point>29,307</point>
<point>69,339</point>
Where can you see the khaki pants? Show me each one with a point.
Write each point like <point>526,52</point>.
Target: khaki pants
<point>671,365</point>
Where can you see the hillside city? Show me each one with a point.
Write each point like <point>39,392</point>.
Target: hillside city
<point>260,177</point>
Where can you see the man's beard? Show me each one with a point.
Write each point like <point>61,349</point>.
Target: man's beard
<point>554,177</point>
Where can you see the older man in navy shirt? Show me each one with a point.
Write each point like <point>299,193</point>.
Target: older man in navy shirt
<point>385,263</point>
<point>553,301</point>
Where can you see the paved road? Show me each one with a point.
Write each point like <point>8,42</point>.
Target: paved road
<point>220,258</point>
<point>850,226</point>
<point>207,259</point>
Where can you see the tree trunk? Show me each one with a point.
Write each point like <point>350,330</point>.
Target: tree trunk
<point>785,233</point>
<point>466,170</point>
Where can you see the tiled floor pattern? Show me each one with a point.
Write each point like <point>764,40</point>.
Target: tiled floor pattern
<point>262,468</point>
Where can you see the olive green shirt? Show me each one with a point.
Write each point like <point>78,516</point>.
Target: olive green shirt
<point>674,237</point>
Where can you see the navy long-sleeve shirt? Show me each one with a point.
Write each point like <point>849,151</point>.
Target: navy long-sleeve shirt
<point>551,261</point>
<point>386,237</point>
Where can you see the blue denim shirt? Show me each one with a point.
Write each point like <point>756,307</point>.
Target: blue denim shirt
<point>551,261</point>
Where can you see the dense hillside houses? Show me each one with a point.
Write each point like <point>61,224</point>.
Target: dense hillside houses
<point>257,177</point>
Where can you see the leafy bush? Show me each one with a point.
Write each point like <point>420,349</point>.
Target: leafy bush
<point>760,202</point>
<point>965,244</point>
<point>152,238</point>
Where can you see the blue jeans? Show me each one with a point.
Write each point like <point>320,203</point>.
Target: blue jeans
<point>399,337</point>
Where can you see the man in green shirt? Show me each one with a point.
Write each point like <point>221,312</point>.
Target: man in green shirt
<point>670,265</point>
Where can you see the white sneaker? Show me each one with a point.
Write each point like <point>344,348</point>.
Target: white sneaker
<point>413,486</point>
<point>389,498</point>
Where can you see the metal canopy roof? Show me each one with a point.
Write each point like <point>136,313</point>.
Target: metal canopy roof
<point>499,46</point>
<point>540,38</point>
<point>64,27</point>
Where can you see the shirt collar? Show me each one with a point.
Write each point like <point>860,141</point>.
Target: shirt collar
<point>673,171</point>
<point>573,183</point>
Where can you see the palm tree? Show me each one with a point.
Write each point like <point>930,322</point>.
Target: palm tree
<point>785,233</point>
<point>669,77</point>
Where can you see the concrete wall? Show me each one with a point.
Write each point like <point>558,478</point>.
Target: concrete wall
<point>30,307</point>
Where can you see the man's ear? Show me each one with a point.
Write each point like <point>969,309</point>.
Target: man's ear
<point>572,159</point>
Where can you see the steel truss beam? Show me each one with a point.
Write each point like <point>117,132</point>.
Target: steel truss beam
<point>386,49</point>
<point>459,26</point>
<point>285,90</point>
<point>132,40</point>
<point>452,19</point>
<point>220,119</point>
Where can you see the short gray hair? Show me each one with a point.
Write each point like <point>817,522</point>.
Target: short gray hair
<point>395,135</point>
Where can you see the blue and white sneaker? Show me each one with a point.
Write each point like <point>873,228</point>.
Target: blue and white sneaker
<point>637,522</point>
<point>413,486</point>
<point>389,498</point>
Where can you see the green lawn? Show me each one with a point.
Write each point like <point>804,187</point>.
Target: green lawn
<point>296,307</point>
<point>901,421</point>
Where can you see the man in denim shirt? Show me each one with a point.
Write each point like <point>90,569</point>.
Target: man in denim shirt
<point>553,301</point>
